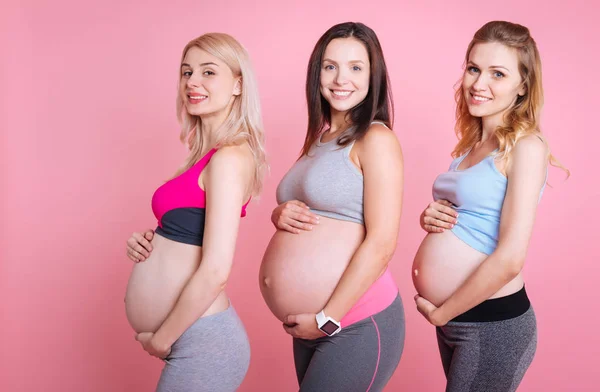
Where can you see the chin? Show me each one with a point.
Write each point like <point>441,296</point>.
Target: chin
<point>194,111</point>
<point>477,112</point>
<point>343,106</point>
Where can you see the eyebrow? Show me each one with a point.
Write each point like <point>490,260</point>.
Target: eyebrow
<point>491,66</point>
<point>202,65</point>
<point>353,61</point>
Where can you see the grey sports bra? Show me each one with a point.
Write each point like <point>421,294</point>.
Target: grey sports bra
<point>327,181</point>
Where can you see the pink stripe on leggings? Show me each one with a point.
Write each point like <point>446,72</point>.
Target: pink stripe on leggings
<point>378,354</point>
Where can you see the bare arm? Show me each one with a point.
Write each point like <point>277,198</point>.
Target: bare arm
<point>526,176</point>
<point>383,171</point>
<point>227,181</point>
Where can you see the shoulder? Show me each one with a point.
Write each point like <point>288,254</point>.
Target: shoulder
<point>232,159</point>
<point>379,147</point>
<point>530,152</point>
<point>531,148</point>
<point>379,135</point>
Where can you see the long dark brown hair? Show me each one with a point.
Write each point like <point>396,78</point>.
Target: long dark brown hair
<point>378,104</point>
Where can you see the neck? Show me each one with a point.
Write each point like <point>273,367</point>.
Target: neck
<point>489,126</point>
<point>339,122</point>
<point>211,123</point>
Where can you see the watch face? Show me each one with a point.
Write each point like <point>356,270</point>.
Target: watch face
<point>329,328</point>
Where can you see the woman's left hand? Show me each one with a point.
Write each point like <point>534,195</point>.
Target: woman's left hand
<point>145,338</point>
<point>302,326</point>
<point>429,311</point>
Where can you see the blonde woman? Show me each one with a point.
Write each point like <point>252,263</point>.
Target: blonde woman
<point>175,298</point>
<point>467,270</point>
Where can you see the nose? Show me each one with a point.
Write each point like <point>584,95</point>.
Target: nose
<point>480,83</point>
<point>341,77</point>
<point>193,81</point>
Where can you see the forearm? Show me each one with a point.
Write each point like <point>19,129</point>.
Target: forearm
<point>493,274</point>
<point>368,263</point>
<point>199,293</point>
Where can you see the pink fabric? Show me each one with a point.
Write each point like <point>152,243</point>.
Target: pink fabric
<point>380,295</point>
<point>183,191</point>
<point>378,354</point>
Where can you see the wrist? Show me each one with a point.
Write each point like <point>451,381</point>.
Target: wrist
<point>159,342</point>
<point>327,324</point>
<point>439,317</point>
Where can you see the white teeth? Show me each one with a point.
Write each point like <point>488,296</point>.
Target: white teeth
<point>342,93</point>
<point>198,97</point>
<point>481,99</point>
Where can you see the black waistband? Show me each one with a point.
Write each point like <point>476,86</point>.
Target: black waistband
<point>497,309</point>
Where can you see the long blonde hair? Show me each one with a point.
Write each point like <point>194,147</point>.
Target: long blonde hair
<point>243,123</point>
<point>523,118</point>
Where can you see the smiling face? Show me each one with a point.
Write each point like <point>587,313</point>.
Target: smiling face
<point>492,82</point>
<point>345,72</point>
<point>207,85</point>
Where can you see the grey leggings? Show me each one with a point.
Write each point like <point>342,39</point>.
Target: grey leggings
<point>487,356</point>
<point>212,355</point>
<point>361,358</point>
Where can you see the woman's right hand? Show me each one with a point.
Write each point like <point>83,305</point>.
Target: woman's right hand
<point>293,216</point>
<point>438,216</point>
<point>139,246</point>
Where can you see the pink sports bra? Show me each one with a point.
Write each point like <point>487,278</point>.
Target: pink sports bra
<point>179,205</point>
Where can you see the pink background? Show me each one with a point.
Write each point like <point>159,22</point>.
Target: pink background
<point>89,131</point>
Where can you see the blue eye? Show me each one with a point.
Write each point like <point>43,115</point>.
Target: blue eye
<point>356,68</point>
<point>329,67</point>
<point>473,69</point>
<point>498,75</point>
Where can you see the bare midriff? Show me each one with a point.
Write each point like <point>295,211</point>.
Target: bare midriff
<point>444,262</point>
<point>156,284</point>
<point>299,272</point>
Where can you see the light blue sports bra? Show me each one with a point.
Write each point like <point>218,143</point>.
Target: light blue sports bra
<point>478,195</point>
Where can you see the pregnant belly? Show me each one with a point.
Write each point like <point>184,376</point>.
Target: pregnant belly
<point>155,284</point>
<point>444,262</point>
<point>299,272</point>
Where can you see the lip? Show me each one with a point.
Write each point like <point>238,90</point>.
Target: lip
<point>341,97</point>
<point>473,101</point>
<point>195,98</point>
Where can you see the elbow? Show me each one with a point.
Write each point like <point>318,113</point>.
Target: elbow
<point>217,278</point>
<point>511,259</point>
<point>514,265</point>
<point>384,249</point>
<point>220,279</point>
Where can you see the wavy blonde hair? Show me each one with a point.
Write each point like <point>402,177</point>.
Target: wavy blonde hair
<point>244,121</point>
<point>523,118</point>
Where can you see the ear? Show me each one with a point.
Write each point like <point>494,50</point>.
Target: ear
<point>237,88</point>
<point>522,90</point>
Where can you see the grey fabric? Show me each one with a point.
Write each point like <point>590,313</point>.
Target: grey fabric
<point>327,181</point>
<point>362,357</point>
<point>213,355</point>
<point>487,356</point>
